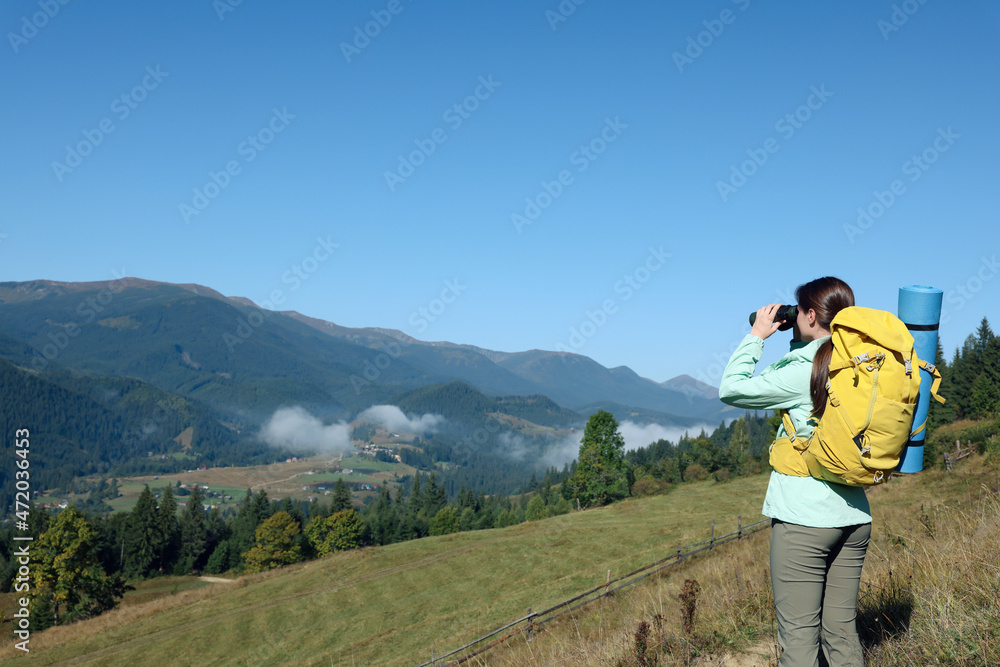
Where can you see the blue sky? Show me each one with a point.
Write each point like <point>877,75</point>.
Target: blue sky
<point>643,174</point>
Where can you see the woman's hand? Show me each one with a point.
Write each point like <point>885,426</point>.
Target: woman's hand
<point>765,325</point>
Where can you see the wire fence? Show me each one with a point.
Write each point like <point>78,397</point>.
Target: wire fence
<point>533,620</point>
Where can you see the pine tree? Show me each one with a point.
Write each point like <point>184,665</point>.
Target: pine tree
<point>143,539</point>
<point>985,397</point>
<point>244,525</point>
<point>988,345</point>
<point>170,533</point>
<point>38,521</point>
<point>739,446</point>
<point>965,367</point>
<point>341,497</point>
<point>416,501</point>
<point>984,337</point>
<point>193,534</point>
<point>536,509</point>
<point>444,522</point>
<point>382,517</point>
<point>434,497</point>
<point>220,559</point>
<point>602,474</point>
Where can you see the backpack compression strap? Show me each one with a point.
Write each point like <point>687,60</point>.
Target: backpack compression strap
<point>935,385</point>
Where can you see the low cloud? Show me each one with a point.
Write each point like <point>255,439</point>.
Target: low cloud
<point>393,419</point>
<point>297,430</point>
<point>567,448</point>
<point>643,435</point>
<point>563,451</point>
<point>515,446</point>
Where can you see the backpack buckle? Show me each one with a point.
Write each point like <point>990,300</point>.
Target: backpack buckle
<point>861,441</point>
<point>861,358</point>
<point>909,367</point>
<point>876,362</point>
<point>878,477</point>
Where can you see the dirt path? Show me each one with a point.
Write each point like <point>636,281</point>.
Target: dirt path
<point>217,580</point>
<point>256,487</point>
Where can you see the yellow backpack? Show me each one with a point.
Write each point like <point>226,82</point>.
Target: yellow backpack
<point>873,389</point>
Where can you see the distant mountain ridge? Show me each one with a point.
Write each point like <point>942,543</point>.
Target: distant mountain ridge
<point>691,386</point>
<point>228,352</point>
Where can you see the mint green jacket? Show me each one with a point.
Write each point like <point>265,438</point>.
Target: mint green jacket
<point>805,501</point>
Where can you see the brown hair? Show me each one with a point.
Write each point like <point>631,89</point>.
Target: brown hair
<point>827,296</point>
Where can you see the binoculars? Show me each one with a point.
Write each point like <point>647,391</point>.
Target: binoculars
<point>785,314</point>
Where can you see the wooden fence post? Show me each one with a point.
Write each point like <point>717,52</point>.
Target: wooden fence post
<point>739,527</point>
<point>711,539</point>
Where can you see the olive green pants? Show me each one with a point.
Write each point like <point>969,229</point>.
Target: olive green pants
<point>815,574</point>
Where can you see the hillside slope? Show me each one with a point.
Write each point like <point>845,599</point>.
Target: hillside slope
<point>394,604</point>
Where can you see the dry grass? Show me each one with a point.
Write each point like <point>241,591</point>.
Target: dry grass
<point>930,592</point>
<point>131,610</point>
<point>394,604</point>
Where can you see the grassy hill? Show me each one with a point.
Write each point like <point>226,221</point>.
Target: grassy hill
<point>392,605</point>
<point>395,604</point>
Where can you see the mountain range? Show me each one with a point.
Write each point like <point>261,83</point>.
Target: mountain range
<point>247,361</point>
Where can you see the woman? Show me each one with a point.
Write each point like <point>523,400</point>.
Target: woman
<point>819,530</point>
